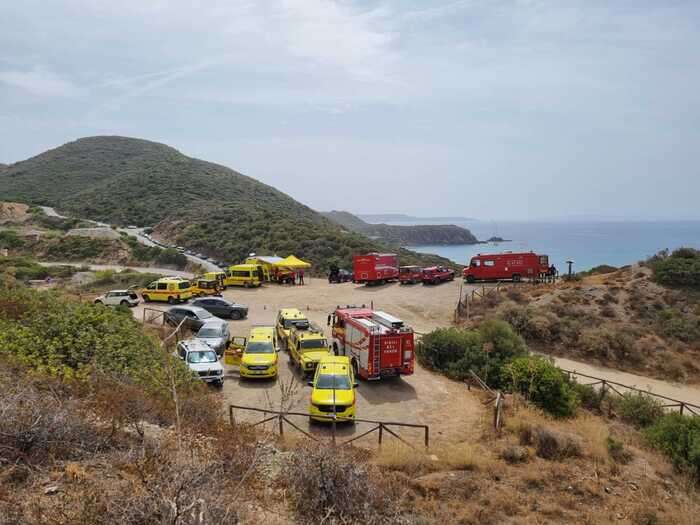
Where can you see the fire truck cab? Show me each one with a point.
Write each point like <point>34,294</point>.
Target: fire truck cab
<point>377,343</point>
<point>509,265</point>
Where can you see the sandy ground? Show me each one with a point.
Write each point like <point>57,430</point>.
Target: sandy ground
<point>452,412</point>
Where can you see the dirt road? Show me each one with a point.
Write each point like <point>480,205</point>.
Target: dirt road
<point>120,267</point>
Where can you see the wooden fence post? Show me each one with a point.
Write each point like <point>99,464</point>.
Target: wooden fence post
<point>381,434</point>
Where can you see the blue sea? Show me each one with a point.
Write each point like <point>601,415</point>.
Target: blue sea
<point>588,244</point>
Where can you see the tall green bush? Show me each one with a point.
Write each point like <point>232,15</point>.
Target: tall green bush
<point>638,409</point>
<point>679,268</point>
<point>484,350</point>
<point>70,340</point>
<point>543,384</point>
<point>678,437</point>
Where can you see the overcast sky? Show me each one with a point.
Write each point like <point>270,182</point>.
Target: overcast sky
<point>494,109</point>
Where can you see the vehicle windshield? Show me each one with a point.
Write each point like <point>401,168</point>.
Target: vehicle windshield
<point>328,382</point>
<point>183,285</point>
<point>260,347</point>
<point>299,323</point>
<point>203,356</point>
<point>313,344</point>
<point>210,331</point>
<point>204,315</point>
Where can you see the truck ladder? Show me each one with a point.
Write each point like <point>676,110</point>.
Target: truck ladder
<point>376,357</point>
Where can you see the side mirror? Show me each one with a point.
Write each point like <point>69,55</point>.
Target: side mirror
<point>310,383</point>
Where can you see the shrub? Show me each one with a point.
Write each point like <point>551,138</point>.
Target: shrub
<point>485,350</point>
<point>543,384</point>
<point>609,343</point>
<point>680,268</point>
<point>638,409</point>
<point>70,340</point>
<point>675,324</point>
<point>9,239</point>
<point>328,484</point>
<point>550,444</point>
<point>678,437</point>
<point>590,397</point>
<point>617,451</point>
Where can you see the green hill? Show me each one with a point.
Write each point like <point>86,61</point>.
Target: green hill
<point>413,235</point>
<point>198,204</point>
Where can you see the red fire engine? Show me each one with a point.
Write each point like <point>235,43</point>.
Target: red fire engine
<point>437,274</point>
<point>515,266</point>
<point>375,268</point>
<point>410,274</point>
<point>377,343</point>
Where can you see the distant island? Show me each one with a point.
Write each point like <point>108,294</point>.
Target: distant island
<point>376,218</point>
<point>413,235</point>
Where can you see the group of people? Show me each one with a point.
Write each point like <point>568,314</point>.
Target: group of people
<point>289,277</point>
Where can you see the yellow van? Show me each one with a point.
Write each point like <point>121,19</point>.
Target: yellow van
<point>248,275</point>
<point>168,289</point>
<point>259,357</point>
<point>219,276</point>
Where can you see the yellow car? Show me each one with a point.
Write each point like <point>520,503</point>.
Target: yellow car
<point>333,394</point>
<point>169,289</point>
<point>259,357</point>
<point>307,346</point>
<point>286,319</point>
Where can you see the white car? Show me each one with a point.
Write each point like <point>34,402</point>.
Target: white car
<point>118,297</point>
<point>202,360</point>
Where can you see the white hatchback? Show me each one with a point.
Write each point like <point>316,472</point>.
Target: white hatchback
<point>118,297</point>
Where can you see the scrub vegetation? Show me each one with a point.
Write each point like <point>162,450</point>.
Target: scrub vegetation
<point>190,202</point>
<point>638,318</point>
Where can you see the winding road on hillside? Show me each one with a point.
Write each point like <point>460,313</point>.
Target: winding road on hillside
<point>139,235</point>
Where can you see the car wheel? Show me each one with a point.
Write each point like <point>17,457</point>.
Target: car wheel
<point>171,300</point>
<point>470,279</point>
<point>124,302</point>
<point>516,277</point>
<point>235,315</point>
<point>146,299</point>
<point>98,302</point>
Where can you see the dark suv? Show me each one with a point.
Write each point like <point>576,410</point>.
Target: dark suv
<point>221,307</point>
<point>338,275</point>
<point>194,316</point>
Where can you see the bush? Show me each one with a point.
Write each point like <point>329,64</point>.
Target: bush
<point>9,239</point>
<point>680,268</point>
<point>609,344</point>
<point>543,384</point>
<point>551,444</point>
<point>638,409</point>
<point>678,437</point>
<point>328,484</point>
<point>590,397</point>
<point>617,451</point>
<point>26,269</point>
<point>675,324</point>
<point>484,350</point>
<point>70,340</point>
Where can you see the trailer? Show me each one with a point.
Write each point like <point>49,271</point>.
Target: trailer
<point>377,343</point>
<point>508,265</point>
<point>375,268</point>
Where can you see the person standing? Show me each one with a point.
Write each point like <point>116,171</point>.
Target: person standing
<point>301,277</point>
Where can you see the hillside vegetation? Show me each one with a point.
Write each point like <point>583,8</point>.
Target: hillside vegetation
<point>413,235</point>
<point>100,426</point>
<point>626,318</point>
<point>198,204</point>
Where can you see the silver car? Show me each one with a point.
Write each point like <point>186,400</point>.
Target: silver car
<point>216,334</point>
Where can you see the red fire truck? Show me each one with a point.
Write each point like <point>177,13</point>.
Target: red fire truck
<point>375,268</point>
<point>508,265</point>
<point>437,274</point>
<point>377,343</point>
<point>410,274</point>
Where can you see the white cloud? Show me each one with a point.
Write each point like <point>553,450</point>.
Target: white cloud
<point>40,82</point>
